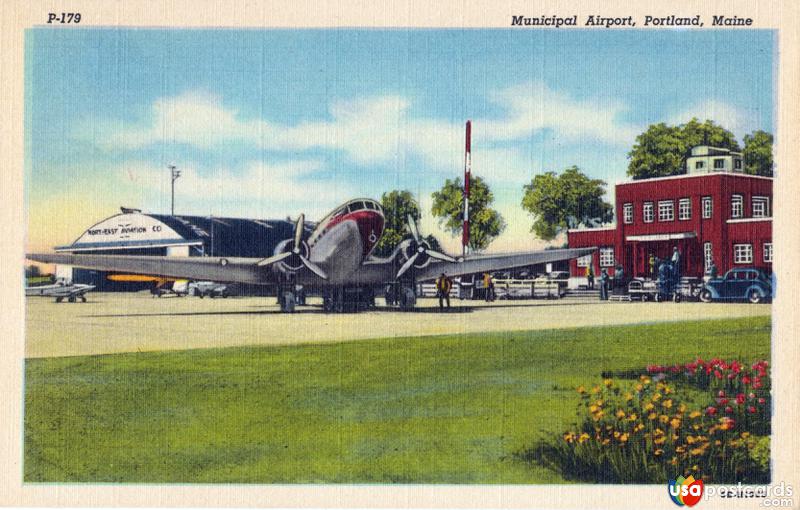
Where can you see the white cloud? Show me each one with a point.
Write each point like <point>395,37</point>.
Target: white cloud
<point>381,129</point>
<point>255,190</point>
<point>738,120</point>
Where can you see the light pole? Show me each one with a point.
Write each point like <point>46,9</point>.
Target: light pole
<point>175,173</point>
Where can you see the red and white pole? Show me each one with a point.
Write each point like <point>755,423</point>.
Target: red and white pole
<point>467,170</point>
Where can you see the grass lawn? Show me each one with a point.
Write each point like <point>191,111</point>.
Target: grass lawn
<point>447,409</point>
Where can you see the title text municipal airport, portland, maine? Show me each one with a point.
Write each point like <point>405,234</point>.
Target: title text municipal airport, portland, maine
<point>554,21</point>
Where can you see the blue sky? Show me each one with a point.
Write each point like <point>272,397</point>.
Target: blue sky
<point>270,123</point>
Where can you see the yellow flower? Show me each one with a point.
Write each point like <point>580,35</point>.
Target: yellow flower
<point>681,449</point>
<point>632,417</point>
<point>660,440</point>
<point>656,397</point>
<point>608,382</point>
<point>639,387</point>
<point>616,434</point>
<point>674,461</point>
<point>682,408</point>
<point>675,422</point>
<point>581,390</point>
<point>638,427</point>
<point>658,452</point>
<point>596,389</point>
<point>645,380</point>
<point>745,435</point>
<point>695,468</point>
<point>698,451</point>
<point>623,438</point>
<point>696,427</point>
<point>667,390</point>
<point>667,403</point>
<point>717,442</point>
<point>620,414</point>
<point>599,403</point>
<point>663,418</point>
<point>628,397</point>
<point>649,406</point>
<point>690,439</point>
<point>593,408</point>
<point>606,441</point>
<point>695,414</point>
<point>599,414</point>
<point>569,437</point>
<point>583,437</point>
<point>652,416</point>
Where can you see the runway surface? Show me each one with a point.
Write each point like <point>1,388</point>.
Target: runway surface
<point>131,322</point>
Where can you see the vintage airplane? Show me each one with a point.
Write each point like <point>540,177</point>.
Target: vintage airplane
<point>335,259</point>
<point>61,291</point>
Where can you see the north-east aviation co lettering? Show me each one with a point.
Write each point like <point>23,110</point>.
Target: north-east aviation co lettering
<point>121,230</point>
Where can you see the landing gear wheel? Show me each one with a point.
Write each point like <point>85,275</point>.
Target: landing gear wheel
<point>71,299</point>
<point>407,298</point>
<point>676,298</point>
<point>705,296</point>
<point>59,299</point>
<point>288,302</point>
<point>754,297</point>
<point>83,299</point>
<point>657,298</point>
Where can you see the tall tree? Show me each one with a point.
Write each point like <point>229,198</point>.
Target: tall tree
<point>398,205</point>
<point>662,150</point>
<point>559,202</point>
<point>485,223</point>
<point>758,153</point>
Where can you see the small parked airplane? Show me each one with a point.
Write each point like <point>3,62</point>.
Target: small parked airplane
<point>60,291</point>
<point>334,259</point>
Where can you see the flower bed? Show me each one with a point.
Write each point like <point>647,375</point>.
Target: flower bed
<point>708,419</point>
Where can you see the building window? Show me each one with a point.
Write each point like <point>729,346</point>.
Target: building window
<point>685,209</point>
<point>737,206</point>
<point>760,207</point>
<point>607,256</point>
<point>647,212</point>
<point>698,165</point>
<point>737,164</point>
<point>708,255</point>
<point>719,164</point>
<point>742,253</point>
<point>768,252</point>
<point>627,213</point>
<point>708,207</point>
<point>666,210</point>
<point>585,260</point>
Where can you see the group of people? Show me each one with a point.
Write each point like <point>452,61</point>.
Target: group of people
<point>444,284</point>
<point>657,269</point>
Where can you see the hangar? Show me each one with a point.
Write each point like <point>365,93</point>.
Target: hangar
<point>132,232</point>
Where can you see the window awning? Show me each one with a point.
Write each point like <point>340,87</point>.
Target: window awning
<point>662,237</point>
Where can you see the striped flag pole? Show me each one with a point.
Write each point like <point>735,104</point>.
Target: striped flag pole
<point>467,170</point>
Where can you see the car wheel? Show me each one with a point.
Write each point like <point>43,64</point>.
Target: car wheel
<point>705,296</point>
<point>754,297</point>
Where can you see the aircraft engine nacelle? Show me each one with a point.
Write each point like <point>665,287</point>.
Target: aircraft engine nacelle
<point>293,263</point>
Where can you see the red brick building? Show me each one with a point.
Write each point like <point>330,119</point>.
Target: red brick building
<point>724,216</point>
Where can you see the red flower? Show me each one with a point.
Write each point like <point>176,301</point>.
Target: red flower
<point>717,374</point>
<point>752,395</point>
<point>729,410</point>
<point>761,401</point>
<point>740,398</point>
<point>722,401</point>
<point>711,410</point>
<point>745,380</point>
<point>751,409</point>
<point>721,394</point>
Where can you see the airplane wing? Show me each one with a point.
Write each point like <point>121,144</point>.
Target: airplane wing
<point>218,269</point>
<point>499,262</point>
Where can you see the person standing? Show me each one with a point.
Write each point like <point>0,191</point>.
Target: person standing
<point>652,263</point>
<point>443,286</point>
<point>603,285</point>
<point>590,277</point>
<point>488,285</point>
<point>676,263</point>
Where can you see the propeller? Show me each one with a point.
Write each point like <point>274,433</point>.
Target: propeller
<point>421,250</point>
<point>298,253</point>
